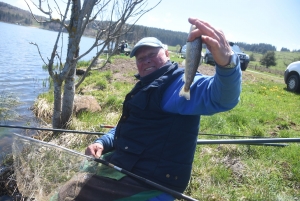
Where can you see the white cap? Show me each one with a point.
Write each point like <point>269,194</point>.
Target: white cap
<point>148,41</point>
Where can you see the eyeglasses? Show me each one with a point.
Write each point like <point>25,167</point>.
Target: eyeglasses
<point>151,55</point>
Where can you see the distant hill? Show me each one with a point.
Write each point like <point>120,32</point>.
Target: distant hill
<point>12,14</point>
<point>15,15</point>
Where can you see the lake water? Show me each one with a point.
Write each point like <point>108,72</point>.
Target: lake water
<point>21,73</point>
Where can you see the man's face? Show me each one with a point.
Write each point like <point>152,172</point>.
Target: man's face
<point>149,59</point>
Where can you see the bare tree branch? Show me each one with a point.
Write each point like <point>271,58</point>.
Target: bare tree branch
<point>33,14</point>
<point>39,52</point>
<point>50,66</point>
<point>58,10</point>
<point>85,15</point>
<point>113,14</point>
<point>42,10</point>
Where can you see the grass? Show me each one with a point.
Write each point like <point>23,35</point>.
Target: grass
<point>283,59</point>
<point>243,172</point>
<point>226,172</point>
<point>258,111</point>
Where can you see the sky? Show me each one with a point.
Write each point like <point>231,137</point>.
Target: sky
<point>275,22</point>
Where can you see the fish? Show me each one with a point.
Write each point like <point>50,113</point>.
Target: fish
<point>192,60</point>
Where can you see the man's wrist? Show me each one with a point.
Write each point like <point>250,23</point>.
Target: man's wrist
<point>233,61</point>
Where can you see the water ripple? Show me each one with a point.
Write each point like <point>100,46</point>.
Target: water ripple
<point>21,70</point>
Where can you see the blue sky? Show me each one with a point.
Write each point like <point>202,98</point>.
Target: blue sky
<point>276,22</point>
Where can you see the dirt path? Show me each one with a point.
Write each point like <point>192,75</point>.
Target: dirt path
<point>124,69</point>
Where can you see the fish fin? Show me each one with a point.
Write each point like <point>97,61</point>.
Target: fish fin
<point>185,94</point>
<point>183,63</point>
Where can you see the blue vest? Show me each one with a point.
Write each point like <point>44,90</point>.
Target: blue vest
<point>152,143</point>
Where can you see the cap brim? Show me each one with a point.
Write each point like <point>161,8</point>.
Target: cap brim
<point>133,51</point>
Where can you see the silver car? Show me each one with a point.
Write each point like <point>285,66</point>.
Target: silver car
<point>183,52</point>
<point>292,77</point>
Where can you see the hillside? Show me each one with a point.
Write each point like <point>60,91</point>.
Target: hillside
<point>11,14</point>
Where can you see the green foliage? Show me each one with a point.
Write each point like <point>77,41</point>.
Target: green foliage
<point>48,96</point>
<point>268,59</point>
<point>252,172</point>
<point>284,49</point>
<point>233,171</point>
<point>83,63</point>
<point>168,37</point>
<point>252,58</point>
<point>226,172</point>
<point>259,48</point>
<point>176,58</point>
<point>97,78</point>
<point>283,59</point>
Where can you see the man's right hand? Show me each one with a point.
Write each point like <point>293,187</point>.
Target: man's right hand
<point>95,150</point>
<point>214,39</point>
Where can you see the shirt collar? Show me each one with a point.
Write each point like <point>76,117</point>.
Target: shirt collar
<point>156,74</point>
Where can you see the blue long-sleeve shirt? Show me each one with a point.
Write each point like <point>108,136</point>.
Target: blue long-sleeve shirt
<point>209,95</point>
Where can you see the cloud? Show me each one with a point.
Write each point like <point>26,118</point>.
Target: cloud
<point>153,20</point>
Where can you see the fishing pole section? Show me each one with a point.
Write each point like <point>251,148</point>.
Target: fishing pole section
<point>53,129</point>
<point>260,141</point>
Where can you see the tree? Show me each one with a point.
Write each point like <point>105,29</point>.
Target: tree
<point>108,17</point>
<point>259,48</point>
<point>268,59</point>
<point>284,49</point>
<point>252,57</point>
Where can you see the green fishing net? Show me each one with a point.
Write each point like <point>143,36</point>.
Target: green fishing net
<point>46,171</point>
<point>49,172</point>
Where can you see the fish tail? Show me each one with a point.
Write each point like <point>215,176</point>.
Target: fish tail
<point>184,93</point>
<point>183,78</point>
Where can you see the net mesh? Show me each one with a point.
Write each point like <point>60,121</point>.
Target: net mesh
<point>44,172</point>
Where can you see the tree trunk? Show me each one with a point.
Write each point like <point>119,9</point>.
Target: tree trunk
<point>77,26</point>
<point>57,103</point>
<point>68,98</point>
<point>63,110</point>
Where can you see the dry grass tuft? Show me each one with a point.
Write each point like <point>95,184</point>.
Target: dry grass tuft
<point>42,109</point>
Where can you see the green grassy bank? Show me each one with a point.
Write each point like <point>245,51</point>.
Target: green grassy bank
<point>225,172</point>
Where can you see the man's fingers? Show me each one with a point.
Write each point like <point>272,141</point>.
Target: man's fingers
<point>203,28</point>
<point>210,42</point>
<point>89,151</point>
<point>94,150</point>
<point>213,38</point>
<point>98,153</point>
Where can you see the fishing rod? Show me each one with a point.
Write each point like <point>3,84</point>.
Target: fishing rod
<point>231,135</point>
<point>174,193</point>
<point>257,144</point>
<point>106,126</point>
<point>221,135</point>
<point>248,141</point>
<point>242,136</point>
<point>100,133</point>
<point>53,129</point>
<point>224,135</point>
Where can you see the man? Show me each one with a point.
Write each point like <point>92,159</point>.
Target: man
<point>122,46</point>
<point>156,135</point>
